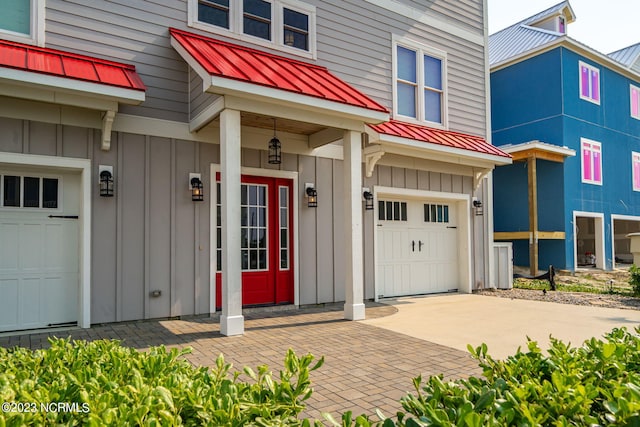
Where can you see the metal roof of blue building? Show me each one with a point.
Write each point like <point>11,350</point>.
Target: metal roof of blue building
<point>627,56</point>
<point>523,36</point>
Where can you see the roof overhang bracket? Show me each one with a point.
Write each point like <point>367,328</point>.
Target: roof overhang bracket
<point>107,124</point>
<point>372,155</point>
<point>478,176</point>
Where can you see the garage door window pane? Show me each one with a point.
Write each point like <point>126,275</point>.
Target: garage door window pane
<point>31,192</point>
<point>392,211</point>
<point>50,193</point>
<point>11,191</point>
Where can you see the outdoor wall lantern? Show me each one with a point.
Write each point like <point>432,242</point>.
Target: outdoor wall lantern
<point>105,174</point>
<point>195,185</point>
<point>274,147</point>
<point>477,205</point>
<point>312,195</point>
<point>368,199</point>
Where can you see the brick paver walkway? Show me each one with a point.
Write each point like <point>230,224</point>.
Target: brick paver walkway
<point>365,368</point>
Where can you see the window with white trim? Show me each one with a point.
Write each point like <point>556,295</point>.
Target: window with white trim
<point>283,226</point>
<point>635,101</point>
<point>635,162</point>
<point>287,25</point>
<point>589,83</point>
<point>22,21</point>
<point>591,160</point>
<point>419,83</point>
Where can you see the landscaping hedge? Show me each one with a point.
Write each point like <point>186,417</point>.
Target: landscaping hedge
<point>102,383</point>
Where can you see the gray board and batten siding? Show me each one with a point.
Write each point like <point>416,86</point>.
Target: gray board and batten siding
<point>162,238</point>
<point>353,41</point>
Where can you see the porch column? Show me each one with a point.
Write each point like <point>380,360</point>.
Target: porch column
<point>354,281</point>
<point>231,320</point>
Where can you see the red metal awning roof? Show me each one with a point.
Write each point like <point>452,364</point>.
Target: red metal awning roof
<point>231,61</point>
<point>438,136</point>
<point>57,63</point>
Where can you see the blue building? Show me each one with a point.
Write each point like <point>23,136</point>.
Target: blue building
<point>570,117</point>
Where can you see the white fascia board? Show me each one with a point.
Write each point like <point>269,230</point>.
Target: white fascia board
<point>73,86</point>
<point>470,157</point>
<point>225,86</point>
<point>421,16</point>
<point>538,145</point>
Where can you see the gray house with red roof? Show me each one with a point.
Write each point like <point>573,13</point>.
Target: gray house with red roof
<point>183,158</point>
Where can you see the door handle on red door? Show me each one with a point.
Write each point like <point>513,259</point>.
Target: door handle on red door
<point>420,245</point>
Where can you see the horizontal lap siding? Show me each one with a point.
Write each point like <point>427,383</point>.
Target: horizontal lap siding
<point>122,32</point>
<point>355,43</point>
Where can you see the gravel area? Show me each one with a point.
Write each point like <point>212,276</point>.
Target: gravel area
<point>576,298</point>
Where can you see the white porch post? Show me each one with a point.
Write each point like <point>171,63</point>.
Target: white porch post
<point>231,320</point>
<point>354,281</point>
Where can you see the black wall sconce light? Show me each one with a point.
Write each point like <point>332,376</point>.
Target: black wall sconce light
<point>311,195</point>
<point>275,148</point>
<point>477,206</point>
<point>195,186</point>
<point>105,174</point>
<point>368,199</point>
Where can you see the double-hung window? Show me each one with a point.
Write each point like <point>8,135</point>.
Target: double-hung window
<point>22,21</point>
<point>591,161</point>
<point>287,25</point>
<point>419,83</point>
<point>589,83</point>
<point>635,171</point>
<point>635,102</point>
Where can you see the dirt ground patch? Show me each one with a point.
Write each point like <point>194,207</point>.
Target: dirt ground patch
<point>585,287</point>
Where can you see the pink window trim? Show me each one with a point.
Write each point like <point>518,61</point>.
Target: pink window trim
<point>635,103</point>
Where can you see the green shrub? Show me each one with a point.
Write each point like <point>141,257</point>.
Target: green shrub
<point>108,384</point>
<point>634,279</point>
<point>597,384</point>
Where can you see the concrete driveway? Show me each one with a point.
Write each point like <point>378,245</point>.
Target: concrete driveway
<point>456,320</point>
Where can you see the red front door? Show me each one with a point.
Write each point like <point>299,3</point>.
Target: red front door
<point>266,248</point>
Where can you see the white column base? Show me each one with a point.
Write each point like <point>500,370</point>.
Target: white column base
<point>231,325</point>
<point>354,311</point>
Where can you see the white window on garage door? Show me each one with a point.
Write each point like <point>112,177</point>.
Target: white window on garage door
<point>39,261</point>
<point>417,247</point>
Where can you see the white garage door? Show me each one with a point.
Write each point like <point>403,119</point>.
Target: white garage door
<point>38,250</point>
<point>417,247</point>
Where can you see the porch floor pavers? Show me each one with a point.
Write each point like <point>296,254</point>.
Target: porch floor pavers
<point>366,367</point>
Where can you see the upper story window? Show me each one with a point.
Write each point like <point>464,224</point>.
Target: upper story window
<point>287,25</point>
<point>419,83</point>
<point>22,21</point>
<point>589,83</point>
<point>635,102</point>
<point>635,160</point>
<point>591,161</point>
<point>562,29</point>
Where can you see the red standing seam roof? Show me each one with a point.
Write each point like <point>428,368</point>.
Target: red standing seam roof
<point>58,63</point>
<point>438,136</point>
<point>231,61</point>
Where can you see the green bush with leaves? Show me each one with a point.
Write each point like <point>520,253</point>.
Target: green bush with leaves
<point>597,384</point>
<point>634,279</point>
<point>105,383</point>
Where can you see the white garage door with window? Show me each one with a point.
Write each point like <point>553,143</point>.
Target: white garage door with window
<point>39,261</point>
<point>417,247</point>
